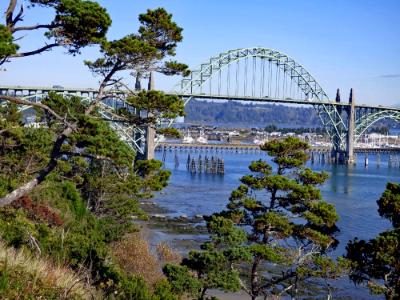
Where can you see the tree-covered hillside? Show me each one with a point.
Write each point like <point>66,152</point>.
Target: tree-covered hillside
<point>257,115</point>
<point>249,114</point>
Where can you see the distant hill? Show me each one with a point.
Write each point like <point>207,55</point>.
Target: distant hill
<point>250,115</point>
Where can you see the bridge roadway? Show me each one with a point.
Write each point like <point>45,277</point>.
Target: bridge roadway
<point>91,92</point>
<point>285,100</point>
<point>238,147</point>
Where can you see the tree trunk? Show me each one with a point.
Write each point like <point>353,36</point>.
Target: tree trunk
<point>27,187</point>
<point>30,185</point>
<point>19,192</point>
<point>254,278</point>
<point>203,293</point>
<point>9,13</point>
<point>138,86</point>
<point>273,199</point>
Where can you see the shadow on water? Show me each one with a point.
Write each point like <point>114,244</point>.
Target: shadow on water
<point>341,179</point>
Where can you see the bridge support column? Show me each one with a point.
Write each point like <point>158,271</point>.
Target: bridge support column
<point>150,131</point>
<point>351,127</point>
<point>336,153</point>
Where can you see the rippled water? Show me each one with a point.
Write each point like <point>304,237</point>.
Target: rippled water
<point>353,190</point>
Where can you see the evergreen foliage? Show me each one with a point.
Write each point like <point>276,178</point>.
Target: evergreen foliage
<point>94,189</point>
<point>376,262</point>
<point>71,187</point>
<point>143,52</point>
<point>76,24</point>
<point>275,234</point>
<point>7,46</point>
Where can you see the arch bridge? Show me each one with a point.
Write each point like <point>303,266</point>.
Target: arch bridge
<point>265,75</point>
<point>256,75</point>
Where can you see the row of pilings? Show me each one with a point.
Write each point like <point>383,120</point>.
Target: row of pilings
<point>210,161</point>
<point>207,165</point>
<point>393,160</point>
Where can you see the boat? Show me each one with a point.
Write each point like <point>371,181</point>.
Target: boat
<point>187,139</point>
<point>202,138</point>
<point>260,141</point>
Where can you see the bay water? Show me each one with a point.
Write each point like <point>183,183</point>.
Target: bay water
<point>353,190</point>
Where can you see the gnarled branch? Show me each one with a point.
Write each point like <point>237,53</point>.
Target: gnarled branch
<point>18,17</point>
<point>44,107</point>
<point>37,51</point>
<point>33,27</point>
<point>9,13</point>
<point>31,184</point>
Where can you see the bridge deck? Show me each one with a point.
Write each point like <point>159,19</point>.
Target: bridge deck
<point>286,101</point>
<point>61,89</point>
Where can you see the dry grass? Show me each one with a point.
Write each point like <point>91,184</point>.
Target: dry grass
<point>22,274</point>
<point>134,255</point>
<point>167,255</point>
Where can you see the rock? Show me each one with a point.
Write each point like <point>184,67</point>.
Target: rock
<point>183,217</point>
<point>159,216</point>
<point>147,203</point>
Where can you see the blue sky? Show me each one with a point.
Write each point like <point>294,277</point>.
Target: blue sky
<point>342,43</point>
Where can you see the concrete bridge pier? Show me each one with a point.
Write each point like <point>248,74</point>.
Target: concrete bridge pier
<point>350,129</point>
<point>150,131</point>
<point>338,156</point>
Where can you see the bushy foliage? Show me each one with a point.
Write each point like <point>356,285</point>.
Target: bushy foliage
<point>72,183</point>
<point>76,24</point>
<point>38,211</point>
<point>79,23</point>
<point>7,46</point>
<point>86,202</point>
<point>157,103</point>
<point>82,242</point>
<point>169,132</point>
<point>376,262</point>
<point>145,51</point>
<point>23,150</point>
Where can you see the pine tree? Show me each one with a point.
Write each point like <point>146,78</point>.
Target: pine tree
<point>69,118</point>
<point>276,232</point>
<point>377,262</point>
<point>76,24</point>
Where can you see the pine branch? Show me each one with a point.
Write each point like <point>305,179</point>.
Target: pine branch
<point>37,51</point>
<point>44,107</point>
<point>34,27</point>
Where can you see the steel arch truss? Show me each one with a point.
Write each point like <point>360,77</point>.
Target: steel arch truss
<point>368,118</point>
<point>329,115</point>
<point>132,135</point>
